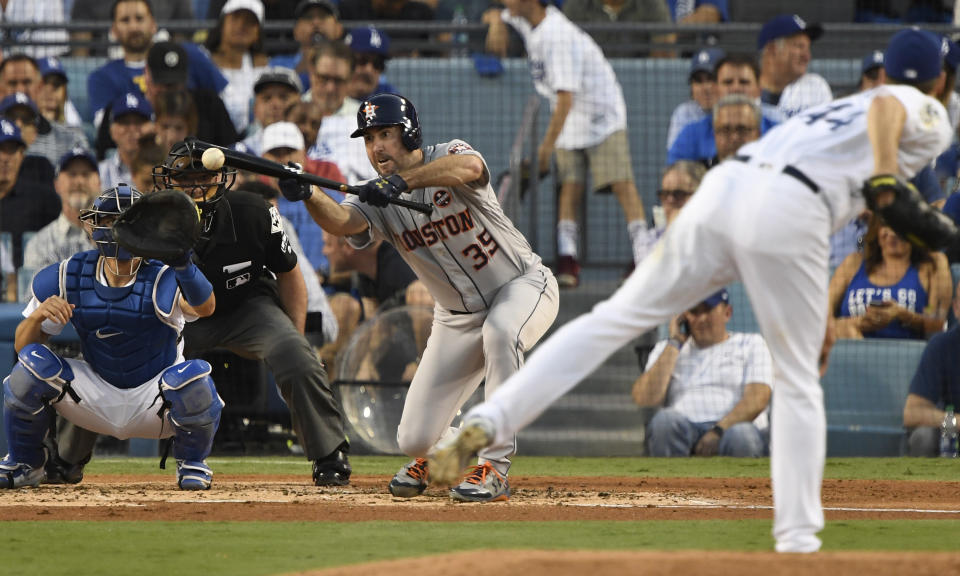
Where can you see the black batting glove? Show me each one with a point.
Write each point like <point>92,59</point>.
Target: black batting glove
<point>293,189</point>
<point>379,192</point>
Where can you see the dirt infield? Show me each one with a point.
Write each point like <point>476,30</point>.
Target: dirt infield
<point>293,498</point>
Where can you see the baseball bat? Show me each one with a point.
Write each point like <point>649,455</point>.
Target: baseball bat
<point>259,165</point>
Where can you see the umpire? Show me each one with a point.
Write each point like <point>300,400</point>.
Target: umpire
<point>242,248</point>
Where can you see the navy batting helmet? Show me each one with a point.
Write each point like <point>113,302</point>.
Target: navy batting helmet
<point>390,110</point>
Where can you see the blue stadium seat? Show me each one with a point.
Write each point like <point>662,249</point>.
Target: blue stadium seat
<point>864,391</point>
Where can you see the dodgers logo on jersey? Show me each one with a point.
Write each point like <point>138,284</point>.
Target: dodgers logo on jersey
<point>442,198</point>
<point>369,111</point>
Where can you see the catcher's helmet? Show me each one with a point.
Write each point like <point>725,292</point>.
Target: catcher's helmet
<point>104,212</point>
<point>184,170</point>
<point>390,110</point>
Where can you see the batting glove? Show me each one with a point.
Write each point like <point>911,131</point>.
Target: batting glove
<point>379,192</point>
<point>293,189</point>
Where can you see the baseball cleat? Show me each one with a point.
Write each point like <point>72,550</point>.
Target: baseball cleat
<point>17,475</point>
<point>193,475</point>
<point>450,458</point>
<point>411,480</point>
<point>482,484</point>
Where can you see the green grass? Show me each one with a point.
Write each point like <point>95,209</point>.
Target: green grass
<point>255,548</point>
<point>846,468</point>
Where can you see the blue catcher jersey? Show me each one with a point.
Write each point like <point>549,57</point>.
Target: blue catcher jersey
<point>124,333</point>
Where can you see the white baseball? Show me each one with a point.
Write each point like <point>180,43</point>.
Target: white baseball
<point>213,159</point>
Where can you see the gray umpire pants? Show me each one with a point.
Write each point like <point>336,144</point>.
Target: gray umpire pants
<point>259,329</point>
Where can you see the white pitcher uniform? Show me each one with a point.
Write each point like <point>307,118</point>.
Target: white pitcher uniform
<point>764,218</point>
<point>494,298</point>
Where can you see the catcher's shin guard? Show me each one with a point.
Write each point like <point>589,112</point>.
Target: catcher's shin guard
<point>37,379</point>
<point>190,395</point>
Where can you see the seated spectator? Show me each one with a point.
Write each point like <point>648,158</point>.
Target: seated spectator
<point>699,11</point>
<point>736,121</point>
<point>703,92</point>
<point>321,324</point>
<point>397,10</point>
<point>588,11</point>
<point>369,281</point>
<point>77,185</point>
<point>28,201</point>
<point>935,384</point>
<point>736,74</point>
<point>168,70</point>
<point>678,184</point>
<point>371,50</point>
<point>784,45</point>
<point>22,111</point>
<point>149,155</point>
<point>175,118</point>
<point>134,27</point>
<point>283,143</point>
<point>52,95</point>
<point>712,386</point>
<point>276,89</point>
<point>892,290</point>
<point>130,114</point>
<point>28,37</point>
<point>308,119</point>
<point>872,73</point>
<point>236,47</point>
<point>100,11</point>
<point>317,21</point>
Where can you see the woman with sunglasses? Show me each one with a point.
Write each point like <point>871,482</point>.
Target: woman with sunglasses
<point>678,184</point>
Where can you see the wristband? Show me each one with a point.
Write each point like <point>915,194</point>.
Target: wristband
<point>718,430</point>
<point>193,284</point>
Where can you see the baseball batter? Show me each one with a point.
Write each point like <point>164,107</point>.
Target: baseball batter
<point>763,217</point>
<point>494,298</point>
<point>128,314</point>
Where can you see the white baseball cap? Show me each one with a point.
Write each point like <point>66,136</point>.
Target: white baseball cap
<point>281,135</point>
<point>255,6</point>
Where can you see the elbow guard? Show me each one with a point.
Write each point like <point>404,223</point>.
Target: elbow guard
<point>908,213</point>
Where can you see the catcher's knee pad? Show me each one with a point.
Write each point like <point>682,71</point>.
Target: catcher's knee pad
<point>39,377</point>
<point>194,406</point>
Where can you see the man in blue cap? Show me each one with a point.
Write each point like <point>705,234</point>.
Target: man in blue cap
<point>713,387</point>
<point>871,70</point>
<point>779,198</point>
<point>703,92</point>
<point>784,46</point>
<point>371,50</point>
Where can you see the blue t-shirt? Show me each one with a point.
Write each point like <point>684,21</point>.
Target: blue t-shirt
<point>938,375</point>
<point>952,207</point>
<point>720,4</point>
<point>696,141</point>
<point>116,77</point>
<point>907,292</point>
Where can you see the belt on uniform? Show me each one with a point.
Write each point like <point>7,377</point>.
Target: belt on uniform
<point>789,171</point>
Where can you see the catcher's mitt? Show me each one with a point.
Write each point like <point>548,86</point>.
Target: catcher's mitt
<point>900,205</point>
<point>163,225</point>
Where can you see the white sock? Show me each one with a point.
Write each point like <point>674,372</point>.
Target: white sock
<point>567,238</point>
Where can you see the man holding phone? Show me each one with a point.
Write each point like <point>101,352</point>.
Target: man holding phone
<point>712,386</point>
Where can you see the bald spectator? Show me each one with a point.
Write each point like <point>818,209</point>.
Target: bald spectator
<point>736,74</point>
<point>317,21</point>
<point>28,201</point>
<point>590,11</point>
<point>77,184</point>
<point>333,68</point>
<point>736,121</point>
<point>784,44</point>
<point>134,26</point>
<point>21,73</point>
<point>129,115</point>
<point>52,96</point>
<point>275,91</point>
<point>703,92</point>
<point>371,50</point>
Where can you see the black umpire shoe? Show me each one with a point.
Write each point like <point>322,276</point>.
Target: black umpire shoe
<point>334,470</point>
<point>60,471</point>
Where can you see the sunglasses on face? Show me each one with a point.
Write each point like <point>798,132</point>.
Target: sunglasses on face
<point>375,60</point>
<point>675,195</point>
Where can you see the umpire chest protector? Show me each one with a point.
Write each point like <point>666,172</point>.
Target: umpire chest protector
<point>124,332</point>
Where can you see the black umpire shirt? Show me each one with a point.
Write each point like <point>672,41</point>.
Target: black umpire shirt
<point>246,242</point>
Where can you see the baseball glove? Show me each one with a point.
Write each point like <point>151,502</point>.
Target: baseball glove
<point>900,205</point>
<point>164,226</point>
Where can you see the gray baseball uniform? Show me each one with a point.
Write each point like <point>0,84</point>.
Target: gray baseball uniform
<point>494,298</point>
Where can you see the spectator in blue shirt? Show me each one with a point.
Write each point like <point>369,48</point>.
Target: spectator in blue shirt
<point>703,92</point>
<point>698,11</point>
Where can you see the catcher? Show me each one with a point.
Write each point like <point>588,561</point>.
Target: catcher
<point>128,312</point>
